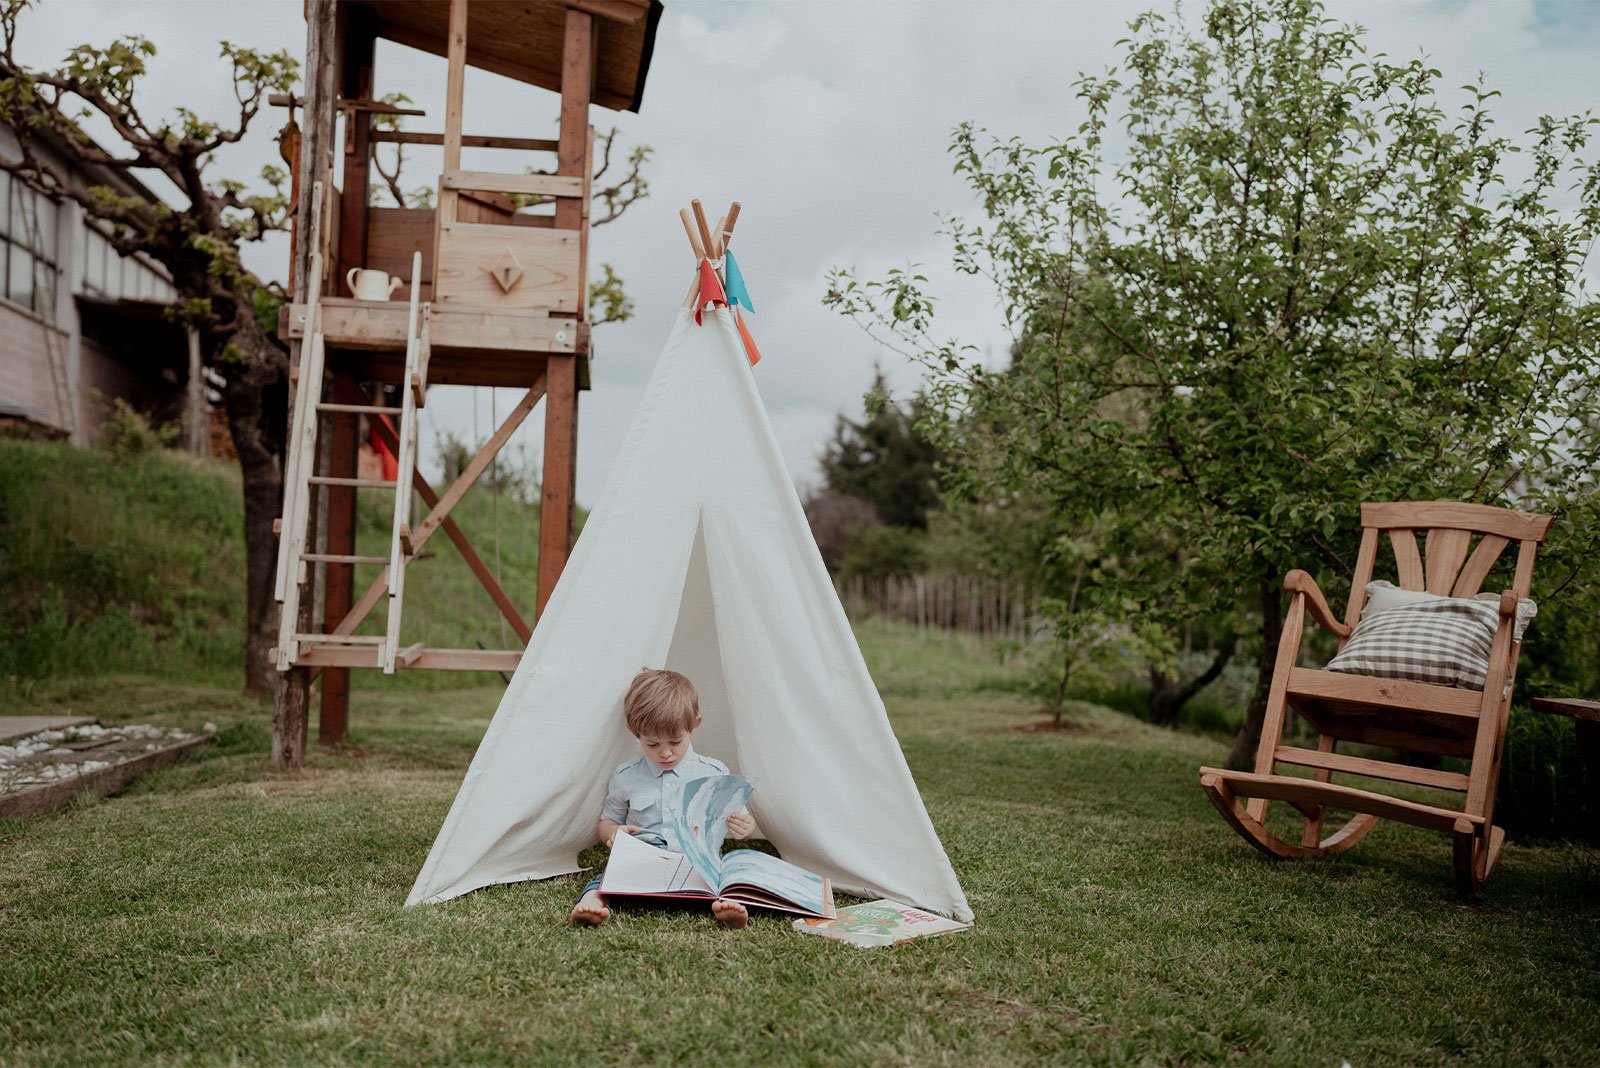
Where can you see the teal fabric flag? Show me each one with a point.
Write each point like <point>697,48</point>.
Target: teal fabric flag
<point>737,293</point>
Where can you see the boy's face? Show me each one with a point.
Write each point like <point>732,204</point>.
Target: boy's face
<point>666,750</point>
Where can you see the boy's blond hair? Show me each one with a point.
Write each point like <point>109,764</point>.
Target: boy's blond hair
<point>661,702</point>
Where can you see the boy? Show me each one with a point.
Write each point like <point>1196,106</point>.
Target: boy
<point>663,712</point>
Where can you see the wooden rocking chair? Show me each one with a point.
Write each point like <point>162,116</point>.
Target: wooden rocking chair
<point>1388,712</point>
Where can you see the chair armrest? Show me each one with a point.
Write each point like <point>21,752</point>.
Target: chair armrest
<point>1508,604</point>
<point>1298,581</point>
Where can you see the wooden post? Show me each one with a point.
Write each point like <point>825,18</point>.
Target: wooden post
<point>361,40</point>
<point>561,372</point>
<point>560,472</point>
<point>345,429</point>
<point>577,86</point>
<point>454,98</point>
<point>323,43</point>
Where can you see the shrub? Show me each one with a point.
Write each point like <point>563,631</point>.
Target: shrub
<point>879,552</point>
<point>128,432</point>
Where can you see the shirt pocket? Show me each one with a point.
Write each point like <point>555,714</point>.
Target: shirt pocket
<point>644,808</point>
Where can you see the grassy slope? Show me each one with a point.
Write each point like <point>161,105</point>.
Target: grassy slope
<point>137,564</point>
<point>215,912</point>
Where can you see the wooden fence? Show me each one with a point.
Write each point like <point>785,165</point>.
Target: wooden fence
<point>941,602</point>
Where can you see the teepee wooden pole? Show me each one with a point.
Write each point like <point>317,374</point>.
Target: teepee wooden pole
<point>694,238</point>
<point>699,254</point>
<point>700,221</point>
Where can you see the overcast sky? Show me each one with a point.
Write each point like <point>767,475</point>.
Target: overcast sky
<point>829,121</point>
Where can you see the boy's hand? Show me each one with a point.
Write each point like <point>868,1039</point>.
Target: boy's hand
<point>626,828</point>
<point>741,824</point>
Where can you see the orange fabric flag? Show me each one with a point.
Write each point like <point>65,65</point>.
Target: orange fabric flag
<point>750,349</point>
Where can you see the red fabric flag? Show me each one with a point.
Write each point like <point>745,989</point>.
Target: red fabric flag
<point>710,290</point>
<point>391,463</point>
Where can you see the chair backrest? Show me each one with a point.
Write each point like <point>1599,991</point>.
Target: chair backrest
<point>1449,563</point>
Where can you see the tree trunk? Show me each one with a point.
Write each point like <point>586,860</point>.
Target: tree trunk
<point>1167,698</point>
<point>254,399</point>
<point>1242,756</point>
<point>1058,706</point>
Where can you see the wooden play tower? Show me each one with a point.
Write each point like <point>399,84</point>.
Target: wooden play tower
<point>490,292</point>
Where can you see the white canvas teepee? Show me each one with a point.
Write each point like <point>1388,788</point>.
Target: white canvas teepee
<point>697,558</point>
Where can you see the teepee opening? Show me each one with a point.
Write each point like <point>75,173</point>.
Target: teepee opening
<point>696,651</point>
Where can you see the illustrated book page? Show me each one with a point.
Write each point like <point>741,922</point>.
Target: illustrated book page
<point>879,923</point>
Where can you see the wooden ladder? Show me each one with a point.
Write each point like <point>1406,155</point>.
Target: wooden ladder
<point>300,480</point>
<point>413,392</point>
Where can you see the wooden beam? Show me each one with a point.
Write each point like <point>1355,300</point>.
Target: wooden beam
<point>585,197</point>
<point>618,11</point>
<point>415,137</point>
<point>381,327</point>
<point>1313,793</point>
<point>324,657</point>
<point>1378,769</point>
<point>1439,701</point>
<point>560,473</point>
<point>1423,515</point>
<point>539,185</point>
<point>577,89</point>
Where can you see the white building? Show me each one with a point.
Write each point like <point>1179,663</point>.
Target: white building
<point>81,325</point>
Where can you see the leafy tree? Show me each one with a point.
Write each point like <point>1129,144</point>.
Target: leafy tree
<point>885,460</point>
<point>1301,284</point>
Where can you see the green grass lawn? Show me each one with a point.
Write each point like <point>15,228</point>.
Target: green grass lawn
<point>215,913</point>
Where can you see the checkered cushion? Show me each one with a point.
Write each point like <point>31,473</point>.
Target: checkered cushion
<point>1444,641</point>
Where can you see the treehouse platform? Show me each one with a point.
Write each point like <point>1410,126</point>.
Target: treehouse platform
<point>485,286</point>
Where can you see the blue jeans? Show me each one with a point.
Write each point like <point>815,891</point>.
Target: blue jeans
<point>647,837</point>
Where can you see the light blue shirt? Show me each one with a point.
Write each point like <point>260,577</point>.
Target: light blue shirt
<point>642,794</point>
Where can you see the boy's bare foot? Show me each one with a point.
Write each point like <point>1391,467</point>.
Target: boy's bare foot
<point>591,909</point>
<point>730,914</point>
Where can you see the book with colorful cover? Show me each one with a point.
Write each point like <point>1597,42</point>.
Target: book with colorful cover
<point>637,869</point>
<point>879,923</point>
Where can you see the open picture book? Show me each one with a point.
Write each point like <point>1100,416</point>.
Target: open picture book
<point>880,923</point>
<point>636,869</point>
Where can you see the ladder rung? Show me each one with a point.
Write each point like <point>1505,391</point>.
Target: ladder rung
<point>342,639</point>
<point>342,558</point>
<point>362,483</point>
<point>364,409</point>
